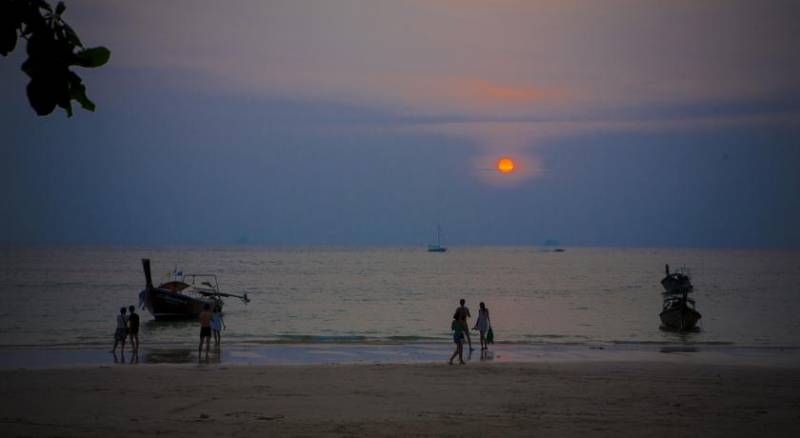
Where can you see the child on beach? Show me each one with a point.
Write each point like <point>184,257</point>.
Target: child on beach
<point>217,323</point>
<point>459,327</point>
<point>121,332</point>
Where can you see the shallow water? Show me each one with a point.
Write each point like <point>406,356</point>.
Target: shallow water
<point>64,297</point>
<point>406,353</point>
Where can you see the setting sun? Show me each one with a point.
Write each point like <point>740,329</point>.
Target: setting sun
<point>505,165</point>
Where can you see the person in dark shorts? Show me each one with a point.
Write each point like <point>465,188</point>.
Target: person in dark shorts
<point>205,328</point>
<point>121,332</point>
<point>459,327</point>
<point>133,328</point>
<point>462,313</point>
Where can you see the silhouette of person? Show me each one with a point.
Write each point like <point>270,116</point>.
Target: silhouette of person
<point>462,313</point>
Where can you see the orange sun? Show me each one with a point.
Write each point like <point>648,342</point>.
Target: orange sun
<point>505,165</point>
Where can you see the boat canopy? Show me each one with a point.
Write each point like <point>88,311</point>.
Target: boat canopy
<point>174,286</point>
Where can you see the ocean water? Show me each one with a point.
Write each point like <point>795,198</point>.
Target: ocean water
<point>65,297</point>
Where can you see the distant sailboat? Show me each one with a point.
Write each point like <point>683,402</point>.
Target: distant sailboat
<point>437,247</point>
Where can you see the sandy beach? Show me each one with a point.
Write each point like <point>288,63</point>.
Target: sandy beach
<point>520,399</point>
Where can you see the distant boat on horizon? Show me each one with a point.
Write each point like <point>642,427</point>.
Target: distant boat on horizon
<point>437,247</point>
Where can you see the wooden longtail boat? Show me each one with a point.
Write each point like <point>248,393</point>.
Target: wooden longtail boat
<point>181,297</point>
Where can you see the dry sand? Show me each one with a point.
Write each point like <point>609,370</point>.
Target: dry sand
<point>533,399</point>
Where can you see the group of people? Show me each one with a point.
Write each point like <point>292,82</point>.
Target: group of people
<point>461,330</point>
<point>210,322</point>
<point>127,326</point>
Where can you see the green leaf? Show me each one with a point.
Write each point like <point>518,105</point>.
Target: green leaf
<point>29,67</point>
<point>41,97</point>
<point>67,105</point>
<point>8,39</point>
<point>60,7</point>
<point>72,37</point>
<point>79,94</point>
<point>10,23</point>
<point>91,58</point>
<point>43,5</point>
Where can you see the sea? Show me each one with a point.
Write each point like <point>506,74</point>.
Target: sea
<point>65,298</point>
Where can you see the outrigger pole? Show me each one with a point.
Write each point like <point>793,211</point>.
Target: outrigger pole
<point>222,294</point>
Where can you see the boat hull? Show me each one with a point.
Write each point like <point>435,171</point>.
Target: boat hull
<point>680,318</point>
<point>165,304</point>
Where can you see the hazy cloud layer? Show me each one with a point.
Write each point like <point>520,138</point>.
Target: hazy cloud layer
<point>490,59</point>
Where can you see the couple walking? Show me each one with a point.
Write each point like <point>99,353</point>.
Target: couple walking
<point>460,329</point>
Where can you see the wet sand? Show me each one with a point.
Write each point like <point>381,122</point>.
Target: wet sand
<point>565,399</point>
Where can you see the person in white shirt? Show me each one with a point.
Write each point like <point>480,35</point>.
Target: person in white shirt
<point>122,331</point>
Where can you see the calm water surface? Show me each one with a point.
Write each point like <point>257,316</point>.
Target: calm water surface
<point>69,296</point>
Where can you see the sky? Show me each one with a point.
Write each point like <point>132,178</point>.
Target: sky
<point>342,122</point>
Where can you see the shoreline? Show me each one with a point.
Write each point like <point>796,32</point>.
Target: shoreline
<point>565,399</point>
<point>399,353</point>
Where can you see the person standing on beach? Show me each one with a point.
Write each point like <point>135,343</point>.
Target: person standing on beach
<point>133,328</point>
<point>462,312</point>
<point>482,325</point>
<point>459,327</point>
<point>217,323</point>
<point>205,329</point>
<point>121,332</point>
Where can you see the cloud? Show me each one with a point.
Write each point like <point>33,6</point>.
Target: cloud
<point>477,61</point>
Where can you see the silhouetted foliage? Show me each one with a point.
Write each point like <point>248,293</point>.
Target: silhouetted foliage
<point>53,47</point>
